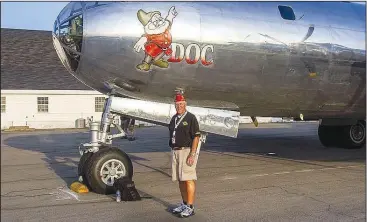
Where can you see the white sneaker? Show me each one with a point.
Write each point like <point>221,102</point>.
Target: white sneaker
<point>187,211</point>
<point>179,209</point>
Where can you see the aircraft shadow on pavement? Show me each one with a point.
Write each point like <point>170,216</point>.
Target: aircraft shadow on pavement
<point>293,141</point>
<point>60,150</point>
<point>297,143</point>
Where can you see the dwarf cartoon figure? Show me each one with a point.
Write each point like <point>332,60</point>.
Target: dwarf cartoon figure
<point>157,38</point>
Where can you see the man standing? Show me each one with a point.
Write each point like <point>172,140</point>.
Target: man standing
<point>184,139</point>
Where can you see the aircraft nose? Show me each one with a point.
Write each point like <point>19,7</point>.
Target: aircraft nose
<point>68,35</point>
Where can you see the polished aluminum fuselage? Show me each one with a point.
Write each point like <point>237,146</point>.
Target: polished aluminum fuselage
<point>247,56</point>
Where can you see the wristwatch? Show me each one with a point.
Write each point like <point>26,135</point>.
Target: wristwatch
<point>192,154</point>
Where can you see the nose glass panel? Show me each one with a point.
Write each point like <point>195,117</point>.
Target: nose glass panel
<point>68,32</point>
<point>68,29</point>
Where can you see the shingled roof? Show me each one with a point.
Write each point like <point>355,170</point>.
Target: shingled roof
<point>29,61</point>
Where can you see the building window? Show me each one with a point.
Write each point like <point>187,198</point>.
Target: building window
<point>42,103</point>
<point>3,104</point>
<point>99,103</point>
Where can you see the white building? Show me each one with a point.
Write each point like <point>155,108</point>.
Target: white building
<point>42,109</point>
<point>38,92</point>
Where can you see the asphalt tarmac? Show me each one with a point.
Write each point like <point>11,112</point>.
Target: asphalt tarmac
<point>277,172</point>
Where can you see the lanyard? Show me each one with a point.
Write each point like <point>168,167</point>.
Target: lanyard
<point>176,124</point>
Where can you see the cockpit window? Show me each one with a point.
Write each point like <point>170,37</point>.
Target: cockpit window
<point>77,8</point>
<point>70,32</point>
<point>68,29</point>
<point>90,5</point>
<point>286,12</point>
<point>65,13</point>
<point>56,28</point>
<point>71,38</point>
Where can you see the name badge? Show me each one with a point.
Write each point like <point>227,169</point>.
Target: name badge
<point>176,125</point>
<point>173,140</point>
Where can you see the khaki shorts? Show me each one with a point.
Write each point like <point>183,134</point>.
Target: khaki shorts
<point>180,170</point>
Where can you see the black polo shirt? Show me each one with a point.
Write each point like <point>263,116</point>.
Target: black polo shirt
<point>186,131</point>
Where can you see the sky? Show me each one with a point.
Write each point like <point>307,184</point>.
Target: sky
<point>30,15</point>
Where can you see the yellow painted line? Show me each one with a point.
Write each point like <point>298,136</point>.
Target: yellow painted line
<point>282,172</point>
<point>305,170</point>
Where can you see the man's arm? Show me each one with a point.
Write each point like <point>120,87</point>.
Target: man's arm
<point>195,135</point>
<point>194,146</point>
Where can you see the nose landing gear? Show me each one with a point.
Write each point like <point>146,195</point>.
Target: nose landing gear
<point>100,163</point>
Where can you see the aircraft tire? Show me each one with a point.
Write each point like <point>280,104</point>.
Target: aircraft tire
<point>354,136</point>
<point>100,160</point>
<point>328,135</point>
<point>82,167</point>
<point>349,137</point>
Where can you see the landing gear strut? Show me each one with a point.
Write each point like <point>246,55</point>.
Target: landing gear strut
<point>345,136</point>
<point>100,163</point>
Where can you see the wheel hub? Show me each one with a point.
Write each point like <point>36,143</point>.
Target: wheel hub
<point>112,170</point>
<point>357,133</point>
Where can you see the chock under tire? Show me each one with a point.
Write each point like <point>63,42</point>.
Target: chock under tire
<point>78,187</point>
<point>95,175</point>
